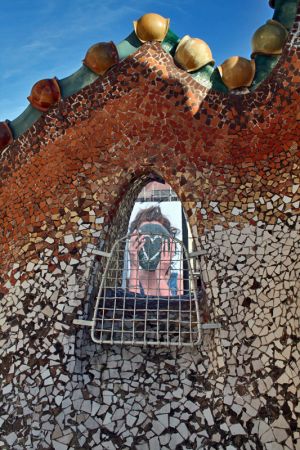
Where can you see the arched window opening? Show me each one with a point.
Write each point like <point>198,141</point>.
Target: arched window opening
<point>157,207</point>
<point>151,291</point>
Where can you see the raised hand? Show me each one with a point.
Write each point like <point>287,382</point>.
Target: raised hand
<point>136,242</point>
<point>163,268</point>
<point>166,256</point>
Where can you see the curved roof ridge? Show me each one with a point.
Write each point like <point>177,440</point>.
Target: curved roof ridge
<point>207,76</point>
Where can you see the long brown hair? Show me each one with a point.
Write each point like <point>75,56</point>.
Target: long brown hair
<point>149,215</point>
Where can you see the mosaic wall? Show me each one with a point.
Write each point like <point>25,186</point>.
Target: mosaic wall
<point>68,186</point>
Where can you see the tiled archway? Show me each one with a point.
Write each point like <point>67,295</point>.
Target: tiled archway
<point>234,163</point>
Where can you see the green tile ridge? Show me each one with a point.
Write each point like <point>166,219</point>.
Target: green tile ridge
<point>78,80</point>
<point>264,65</point>
<point>24,121</point>
<point>284,12</point>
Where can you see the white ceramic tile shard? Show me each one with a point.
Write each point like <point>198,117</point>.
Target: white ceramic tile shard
<point>179,396</point>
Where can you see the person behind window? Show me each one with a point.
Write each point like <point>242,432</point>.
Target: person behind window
<point>151,250</point>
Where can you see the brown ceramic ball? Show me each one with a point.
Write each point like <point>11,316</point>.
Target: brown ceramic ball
<point>269,39</point>
<point>44,94</point>
<point>6,136</point>
<point>101,57</point>
<point>193,53</point>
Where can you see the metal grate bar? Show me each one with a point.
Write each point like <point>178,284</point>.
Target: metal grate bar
<point>147,311</point>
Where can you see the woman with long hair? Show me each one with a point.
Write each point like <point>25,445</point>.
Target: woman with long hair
<point>151,250</point>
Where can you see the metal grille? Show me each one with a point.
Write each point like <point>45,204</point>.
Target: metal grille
<point>133,310</point>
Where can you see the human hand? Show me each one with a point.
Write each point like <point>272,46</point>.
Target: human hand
<point>166,256</point>
<point>136,242</point>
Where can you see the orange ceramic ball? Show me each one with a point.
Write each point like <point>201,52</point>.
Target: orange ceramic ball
<point>237,72</point>
<point>151,27</point>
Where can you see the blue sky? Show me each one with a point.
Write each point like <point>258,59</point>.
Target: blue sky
<point>46,38</point>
